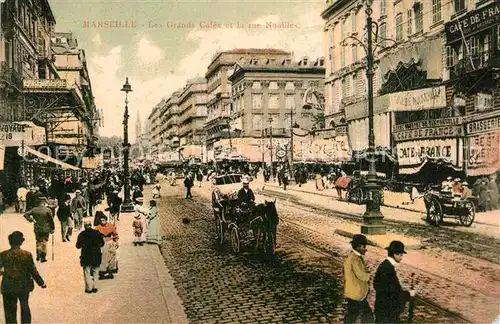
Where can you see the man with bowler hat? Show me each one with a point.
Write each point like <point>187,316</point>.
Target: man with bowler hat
<point>91,242</point>
<point>17,282</point>
<point>390,297</point>
<point>357,282</point>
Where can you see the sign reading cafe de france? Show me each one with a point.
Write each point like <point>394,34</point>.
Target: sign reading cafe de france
<point>414,152</point>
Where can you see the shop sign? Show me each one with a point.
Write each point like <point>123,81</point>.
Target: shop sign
<point>21,133</point>
<point>430,123</point>
<point>484,153</point>
<point>44,83</point>
<point>91,162</point>
<point>437,132</point>
<point>482,126</point>
<point>473,22</point>
<point>412,153</point>
<point>422,99</point>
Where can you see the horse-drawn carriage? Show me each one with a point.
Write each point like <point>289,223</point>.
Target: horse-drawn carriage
<point>355,186</point>
<point>444,204</point>
<point>245,223</point>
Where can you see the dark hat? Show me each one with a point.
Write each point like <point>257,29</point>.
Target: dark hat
<point>359,239</point>
<point>396,247</point>
<point>16,238</point>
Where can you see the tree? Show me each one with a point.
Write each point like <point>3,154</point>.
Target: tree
<point>318,120</point>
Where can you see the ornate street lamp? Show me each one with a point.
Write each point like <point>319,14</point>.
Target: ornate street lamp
<point>270,120</point>
<point>127,204</point>
<point>372,218</point>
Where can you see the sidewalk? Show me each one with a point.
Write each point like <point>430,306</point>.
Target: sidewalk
<point>485,223</point>
<point>142,292</point>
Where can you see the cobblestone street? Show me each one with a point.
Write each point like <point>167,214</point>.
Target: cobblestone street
<point>303,283</point>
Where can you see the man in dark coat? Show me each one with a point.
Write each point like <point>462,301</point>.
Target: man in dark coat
<point>245,194</point>
<point>90,241</point>
<point>390,297</point>
<point>17,282</point>
<point>188,183</point>
<point>66,218</point>
<point>41,215</point>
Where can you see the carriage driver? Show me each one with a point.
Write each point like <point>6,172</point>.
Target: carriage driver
<point>245,194</point>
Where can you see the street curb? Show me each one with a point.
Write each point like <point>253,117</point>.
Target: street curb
<point>374,243</point>
<point>173,302</point>
<point>325,195</point>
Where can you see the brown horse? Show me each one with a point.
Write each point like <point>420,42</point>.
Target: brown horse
<point>268,226</point>
<point>342,183</point>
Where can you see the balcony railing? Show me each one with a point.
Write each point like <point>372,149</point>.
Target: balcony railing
<point>475,62</point>
<point>9,76</point>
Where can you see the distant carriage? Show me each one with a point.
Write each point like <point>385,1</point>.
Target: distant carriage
<point>355,187</point>
<point>244,224</point>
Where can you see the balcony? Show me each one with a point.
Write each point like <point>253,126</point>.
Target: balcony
<point>9,77</point>
<point>475,62</point>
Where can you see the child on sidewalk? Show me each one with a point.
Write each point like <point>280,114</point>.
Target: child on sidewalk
<point>138,226</point>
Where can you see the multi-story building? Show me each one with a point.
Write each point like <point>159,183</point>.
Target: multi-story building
<point>472,76</point>
<point>192,115</point>
<point>217,124</point>
<point>270,98</point>
<point>35,96</point>
<point>170,126</point>
<point>414,112</point>
<point>73,126</point>
<point>156,129</point>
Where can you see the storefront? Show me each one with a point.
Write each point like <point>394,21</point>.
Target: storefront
<point>483,146</point>
<point>306,148</point>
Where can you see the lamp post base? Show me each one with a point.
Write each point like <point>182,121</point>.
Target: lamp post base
<point>372,218</point>
<point>127,207</point>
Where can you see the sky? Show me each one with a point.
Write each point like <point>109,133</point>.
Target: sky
<point>168,42</point>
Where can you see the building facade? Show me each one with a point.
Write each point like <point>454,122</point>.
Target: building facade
<point>75,127</point>
<point>36,99</point>
<point>191,118</point>
<point>217,124</point>
<point>419,112</point>
<point>270,98</point>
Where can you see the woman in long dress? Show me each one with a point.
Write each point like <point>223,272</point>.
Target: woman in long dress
<point>153,235</point>
<point>109,263</point>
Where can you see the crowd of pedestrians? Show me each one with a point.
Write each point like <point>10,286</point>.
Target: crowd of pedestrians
<point>77,204</point>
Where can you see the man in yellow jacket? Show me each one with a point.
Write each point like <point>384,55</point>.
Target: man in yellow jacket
<point>357,282</point>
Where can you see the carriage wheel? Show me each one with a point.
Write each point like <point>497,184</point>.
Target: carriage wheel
<point>235,239</point>
<point>435,213</point>
<point>468,219</point>
<point>220,230</point>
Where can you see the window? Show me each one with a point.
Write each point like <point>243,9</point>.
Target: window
<point>257,101</point>
<point>382,34</point>
<point>273,101</point>
<point>450,56</point>
<point>353,22</point>
<point>290,102</point>
<point>498,37</point>
<point>473,46</point>
<point>459,5</point>
<point>354,53</point>
<point>383,8</point>
<point>436,11</point>
<point>354,84</point>
<point>485,50</point>
<point>342,31</point>
<point>342,56</point>
<point>419,18</point>
<point>409,23</point>
<point>399,27</point>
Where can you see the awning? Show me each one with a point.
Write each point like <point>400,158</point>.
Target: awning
<point>49,159</point>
